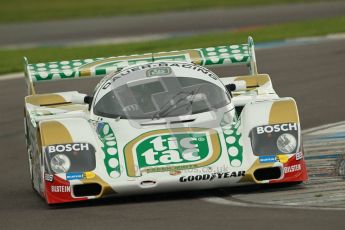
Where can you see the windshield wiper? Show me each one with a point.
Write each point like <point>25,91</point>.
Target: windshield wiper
<point>165,106</point>
<point>166,109</point>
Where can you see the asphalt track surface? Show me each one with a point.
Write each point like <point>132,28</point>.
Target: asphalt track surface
<point>162,24</point>
<point>314,75</point>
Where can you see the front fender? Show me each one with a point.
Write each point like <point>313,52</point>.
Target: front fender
<point>264,123</point>
<point>62,132</point>
<point>279,111</point>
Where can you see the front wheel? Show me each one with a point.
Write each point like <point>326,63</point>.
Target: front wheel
<point>29,151</point>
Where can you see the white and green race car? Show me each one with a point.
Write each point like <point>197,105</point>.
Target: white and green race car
<point>159,122</point>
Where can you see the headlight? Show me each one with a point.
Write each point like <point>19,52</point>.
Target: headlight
<point>70,157</point>
<point>269,140</point>
<point>60,163</point>
<point>286,143</point>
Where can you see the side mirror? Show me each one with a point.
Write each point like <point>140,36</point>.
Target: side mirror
<point>80,98</point>
<point>77,98</point>
<point>230,87</point>
<point>236,86</point>
<point>88,100</point>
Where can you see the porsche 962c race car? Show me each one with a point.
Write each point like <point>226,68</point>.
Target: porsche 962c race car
<point>159,122</point>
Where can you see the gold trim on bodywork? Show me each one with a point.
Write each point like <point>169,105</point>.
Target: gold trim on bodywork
<point>254,81</point>
<point>130,164</point>
<point>106,188</point>
<point>69,107</point>
<point>45,99</point>
<point>283,112</point>
<point>53,132</point>
<point>85,70</point>
<point>249,175</point>
<point>194,55</point>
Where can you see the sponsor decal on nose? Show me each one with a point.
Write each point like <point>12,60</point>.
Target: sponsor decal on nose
<point>68,147</point>
<point>292,168</point>
<point>267,159</point>
<point>276,128</point>
<point>172,150</point>
<point>74,176</point>
<point>60,188</point>
<point>213,176</point>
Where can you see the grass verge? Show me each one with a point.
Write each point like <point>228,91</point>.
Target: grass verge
<point>11,59</point>
<point>42,10</point>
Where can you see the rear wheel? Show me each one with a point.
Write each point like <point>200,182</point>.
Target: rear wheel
<point>31,168</point>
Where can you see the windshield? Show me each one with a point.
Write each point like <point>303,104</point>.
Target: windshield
<point>161,97</point>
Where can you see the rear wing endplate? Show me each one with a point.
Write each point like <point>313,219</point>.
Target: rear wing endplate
<point>242,54</point>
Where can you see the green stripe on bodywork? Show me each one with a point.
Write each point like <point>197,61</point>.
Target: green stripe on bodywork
<point>111,159</point>
<point>232,136</point>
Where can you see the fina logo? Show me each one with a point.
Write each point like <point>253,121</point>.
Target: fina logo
<point>276,128</point>
<point>68,147</point>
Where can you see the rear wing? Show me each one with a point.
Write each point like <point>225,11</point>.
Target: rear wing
<point>243,54</point>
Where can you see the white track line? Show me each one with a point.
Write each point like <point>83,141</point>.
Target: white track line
<point>223,201</point>
<point>11,76</point>
<point>306,131</point>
